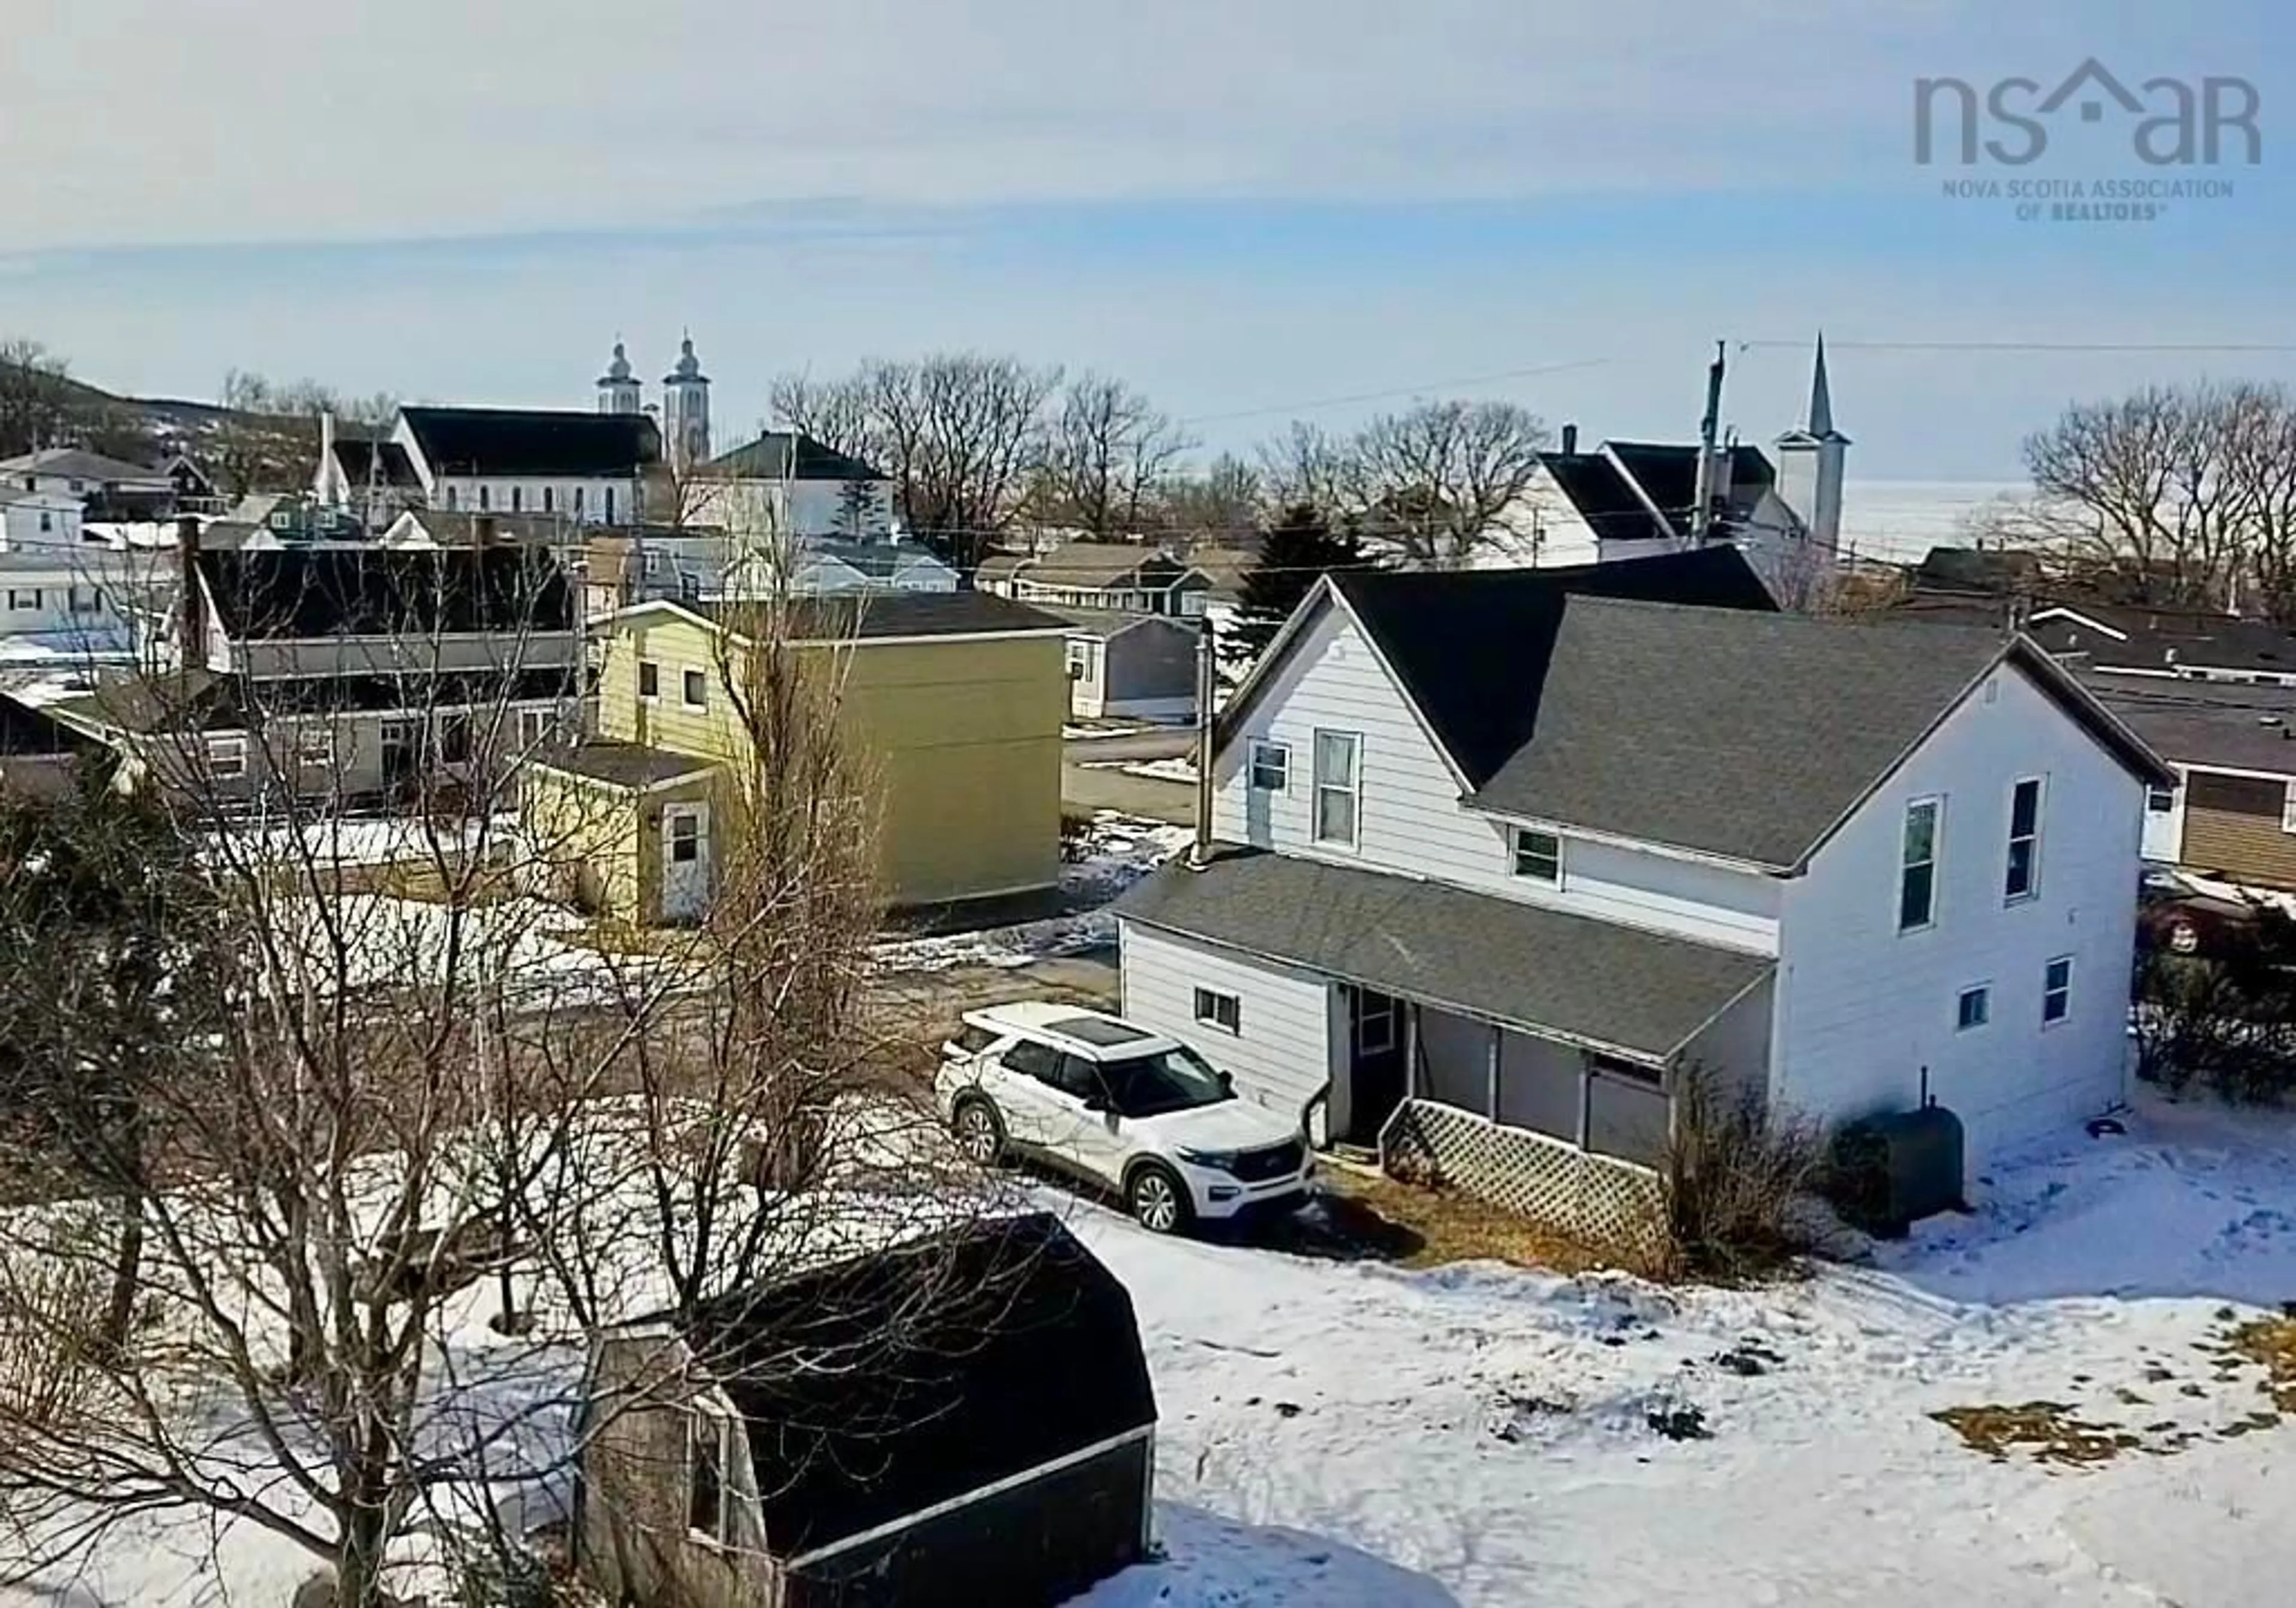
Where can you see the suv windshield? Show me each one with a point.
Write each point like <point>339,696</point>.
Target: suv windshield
<point>1170,1080</point>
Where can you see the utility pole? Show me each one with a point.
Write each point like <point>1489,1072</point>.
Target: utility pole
<point>1702,512</point>
<point>1200,851</point>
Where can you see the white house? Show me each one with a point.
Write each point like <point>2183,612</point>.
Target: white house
<point>37,518</point>
<point>787,481</point>
<point>64,608</point>
<point>1498,857</point>
<point>91,479</point>
<point>1637,499</point>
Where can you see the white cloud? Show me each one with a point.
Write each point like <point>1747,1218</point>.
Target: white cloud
<point>155,121</point>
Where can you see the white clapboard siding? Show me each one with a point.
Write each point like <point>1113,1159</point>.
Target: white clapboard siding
<point>1411,820</point>
<point>1863,1010</point>
<point>1281,1054</point>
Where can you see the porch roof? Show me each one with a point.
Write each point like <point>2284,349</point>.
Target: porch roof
<point>622,765</point>
<point>1557,975</point>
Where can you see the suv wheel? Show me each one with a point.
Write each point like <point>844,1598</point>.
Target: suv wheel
<point>1158,1200</point>
<point>979,1131</point>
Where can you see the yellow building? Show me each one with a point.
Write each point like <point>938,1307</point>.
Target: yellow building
<point>952,701</point>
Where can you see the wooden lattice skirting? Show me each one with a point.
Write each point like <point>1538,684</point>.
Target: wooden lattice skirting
<point>1598,1199</point>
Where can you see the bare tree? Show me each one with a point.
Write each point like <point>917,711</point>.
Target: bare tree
<point>1221,505</point>
<point>268,436</point>
<point>1438,481</point>
<point>404,1080</point>
<point>2183,496</point>
<point>40,405</point>
<point>958,433</point>
<point>1442,478</point>
<point>1108,454</point>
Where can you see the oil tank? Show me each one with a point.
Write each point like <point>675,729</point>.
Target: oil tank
<point>1892,1170</point>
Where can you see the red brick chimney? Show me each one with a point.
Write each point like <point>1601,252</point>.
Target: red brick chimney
<point>191,603</point>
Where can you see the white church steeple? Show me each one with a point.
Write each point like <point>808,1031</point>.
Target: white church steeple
<point>618,387</point>
<point>685,409</point>
<point>1812,462</point>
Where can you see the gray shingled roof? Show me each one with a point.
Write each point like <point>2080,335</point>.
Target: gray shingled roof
<point>1594,983</point>
<point>2207,725</point>
<point>1104,623</point>
<point>1725,731</point>
<point>621,764</point>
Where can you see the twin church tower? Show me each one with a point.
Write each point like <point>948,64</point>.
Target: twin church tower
<point>685,414</point>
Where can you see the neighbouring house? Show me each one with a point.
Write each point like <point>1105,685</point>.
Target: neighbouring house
<point>38,519</point>
<point>40,755</point>
<point>431,529</point>
<point>2213,694</point>
<point>651,562</point>
<point>1131,667</point>
<point>346,670</point>
<point>788,482</point>
<point>66,607</point>
<point>960,1420</point>
<point>375,476</point>
<point>1636,499</point>
<point>584,466</point>
<point>105,488</point>
<point>2231,810</point>
<point>1122,576</point>
<point>1498,860</point>
<point>954,700</point>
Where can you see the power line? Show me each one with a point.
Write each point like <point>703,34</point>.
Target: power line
<point>1400,390</point>
<point>2165,347</point>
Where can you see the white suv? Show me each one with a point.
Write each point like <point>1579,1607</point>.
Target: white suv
<point>1121,1107</point>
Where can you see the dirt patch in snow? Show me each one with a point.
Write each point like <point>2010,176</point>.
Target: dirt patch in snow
<point>2047,1431</point>
<point>2270,1343</point>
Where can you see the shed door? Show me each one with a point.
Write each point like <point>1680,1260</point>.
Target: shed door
<point>685,861</point>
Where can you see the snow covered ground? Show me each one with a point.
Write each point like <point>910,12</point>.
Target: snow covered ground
<point>1347,1435</point>
<point>1489,1434</point>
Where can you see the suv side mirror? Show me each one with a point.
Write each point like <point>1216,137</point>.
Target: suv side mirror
<point>1095,1103</point>
<point>1227,1081</point>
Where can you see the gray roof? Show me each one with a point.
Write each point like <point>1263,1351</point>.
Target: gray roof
<point>782,454</point>
<point>74,464</point>
<point>1592,983</point>
<point>1105,565</point>
<point>1104,623</point>
<point>1736,734</point>
<point>2198,724</point>
<point>621,764</point>
<point>883,614</point>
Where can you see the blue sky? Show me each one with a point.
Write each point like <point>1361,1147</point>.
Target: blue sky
<point>1244,206</point>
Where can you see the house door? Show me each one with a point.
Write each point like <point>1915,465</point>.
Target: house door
<point>1376,1073</point>
<point>685,861</point>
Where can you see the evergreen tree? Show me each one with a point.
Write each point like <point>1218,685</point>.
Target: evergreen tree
<point>1293,555</point>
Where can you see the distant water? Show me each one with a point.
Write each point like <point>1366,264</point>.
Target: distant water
<point>1900,521</point>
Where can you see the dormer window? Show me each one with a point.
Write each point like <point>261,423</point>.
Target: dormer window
<point>1537,855</point>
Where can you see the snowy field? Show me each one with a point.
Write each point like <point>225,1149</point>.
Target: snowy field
<point>1344,1435</point>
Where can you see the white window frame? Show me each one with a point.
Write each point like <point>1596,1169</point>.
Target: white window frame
<point>2010,894</point>
<point>643,666</point>
<point>1935,804</point>
<point>1219,1010</point>
<point>1515,843</point>
<point>1264,757</point>
<point>14,592</point>
<point>728,1434</point>
<point>1982,992</point>
<point>1352,788</point>
<point>2287,793</point>
<point>2163,800</point>
<point>1389,1017</point>
<point>687,681</point>
<point>94,605</point>
<point>314,745</point>
<point>223,768</point>
<point>2062,994</point>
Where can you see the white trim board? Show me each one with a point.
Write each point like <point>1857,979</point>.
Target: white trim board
<point>995,1488</point>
